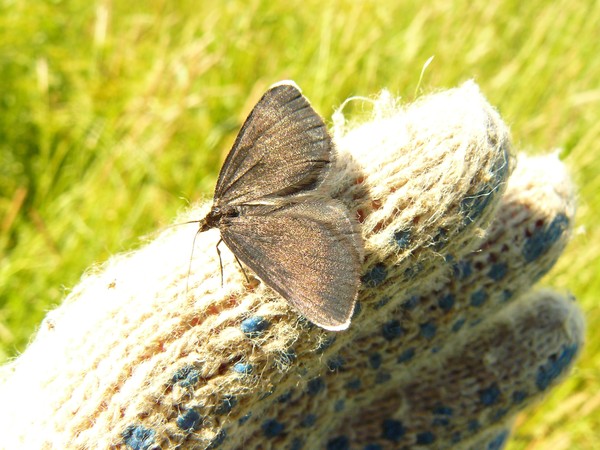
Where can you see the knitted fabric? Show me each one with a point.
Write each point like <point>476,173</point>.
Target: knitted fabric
<point>447,343</point>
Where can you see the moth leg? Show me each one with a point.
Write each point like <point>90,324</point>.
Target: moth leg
<point>242,269</point>
<point>236,258</point>
<point>220,260</point>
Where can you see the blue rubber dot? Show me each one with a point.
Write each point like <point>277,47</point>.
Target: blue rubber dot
<point>446,302</point>
<point>189,420</point>
<point>392,330</point>
<point>272,428</point>
<point>339,405</point>
<point>462,270</point>
<point>308,421</point>
<point>402,238</point>
<point>543,238</point>
<point>336,363</point>
<point>254,326</point>
<point>519,396</point>
<point>427,330</point>
<point>325,343</point>
<point>314,386</point>
<point>406,355</point>
<point>499,414</point>
<point>227,404</point>
<point>392,430</point>
<point>412,272</point>
<point>425,438</point>
<point>372,447</point>
<point>475,322</point>
<point>181,374</point>
<point>138,437</point>
<point>243,368</point>
<point>285,397</point>
<point>544,270</point>
<point>440,240</point>
<point>456,437</point>
<point>443,410</point>
<point>266,394</point>
<point>473,425</point>
<point>490,395</point>
<point>287,356</point>
<point>382,377</point>
<point>217,440</point>
<point>297,444</point>
<point>354,385</point>
<point>411,303</point>
<point>473,206</point>
<point>501,166</point>
<point>498,271</point>
<point>245,418</point>
<point>458,325</point>
<point>375,360</point>
<point>498,442</point>
<point>440,422</point>
<point>506,295</point>
<point>382,302</point>
<point>555,366</point>
<point>478,298</point>
<point>375,276</point>
<point>339,443</point>
<point>187,376</point>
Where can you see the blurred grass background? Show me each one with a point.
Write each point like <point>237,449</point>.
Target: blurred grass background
<point>113,115</point>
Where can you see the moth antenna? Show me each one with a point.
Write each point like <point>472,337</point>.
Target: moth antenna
<point>183,223</point>
<point>187,280</point>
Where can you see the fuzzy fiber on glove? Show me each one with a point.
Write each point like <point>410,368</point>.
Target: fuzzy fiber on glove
<point>448,341</point>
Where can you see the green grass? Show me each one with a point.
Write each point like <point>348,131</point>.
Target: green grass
<point>113,117</point>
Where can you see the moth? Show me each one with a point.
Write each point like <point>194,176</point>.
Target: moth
<point>275,216</point>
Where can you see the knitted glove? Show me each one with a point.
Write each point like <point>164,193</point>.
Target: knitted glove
<point>447,344</point>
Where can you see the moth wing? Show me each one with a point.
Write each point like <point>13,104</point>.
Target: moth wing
<point>310,253</point>
<point>283,148</point>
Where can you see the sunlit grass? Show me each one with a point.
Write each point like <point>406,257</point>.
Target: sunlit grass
<point>113,117</point>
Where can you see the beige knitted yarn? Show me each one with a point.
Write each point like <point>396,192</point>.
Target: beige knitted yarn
<point>447,343</point>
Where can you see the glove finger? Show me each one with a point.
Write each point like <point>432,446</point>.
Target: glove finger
<point>456,395</point>
<point>430,178</point>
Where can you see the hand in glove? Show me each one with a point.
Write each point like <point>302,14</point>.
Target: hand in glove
<point>447,343</point>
